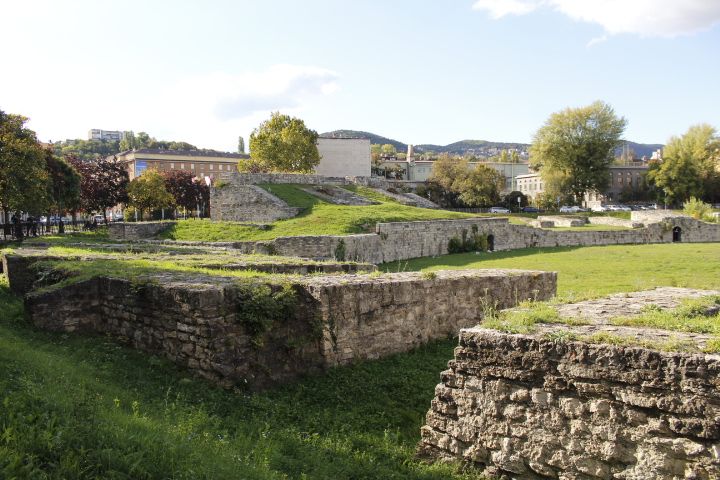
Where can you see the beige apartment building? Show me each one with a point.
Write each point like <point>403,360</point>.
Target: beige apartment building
<point>199,163</point>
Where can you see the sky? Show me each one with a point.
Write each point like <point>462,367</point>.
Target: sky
<point>423,71</point>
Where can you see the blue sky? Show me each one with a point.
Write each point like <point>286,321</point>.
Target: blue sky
<point>417,71</point>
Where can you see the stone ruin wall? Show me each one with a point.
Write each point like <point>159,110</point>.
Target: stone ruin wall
<point>525,407</point>
<point>136,230</point>
<point>405,240</point>
<point>237,202</point>
<point>338,319</point>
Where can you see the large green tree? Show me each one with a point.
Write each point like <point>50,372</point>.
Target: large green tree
<point>148,192</point>
<point>63,185</point>
<point>284,144</point>
<point>23,177</point>
<point>689,166</point>
<point>474,187</point>
<point>481,186</point>
<point>575,147</point>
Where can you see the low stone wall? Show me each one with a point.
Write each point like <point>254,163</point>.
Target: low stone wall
<point>562,220</point>
<point>615,222</point>
<point>196,321</point>
<point>647,217</point>
<point>238,202</point>
<point>136,230</point>
<point>337,195</point>
<point>295,178</point>
<point>406,240</point>
<point>527,407</point>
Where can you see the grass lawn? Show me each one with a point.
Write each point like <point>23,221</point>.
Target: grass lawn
<point>585,272</point>
<point>317,218</point>
<point>82,407</point>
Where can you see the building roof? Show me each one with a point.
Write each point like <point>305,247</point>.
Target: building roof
<point>185,153</point>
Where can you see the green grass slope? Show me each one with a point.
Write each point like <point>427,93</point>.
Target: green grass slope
<point>317,218</point>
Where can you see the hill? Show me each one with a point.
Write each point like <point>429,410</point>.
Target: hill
<point>400,146</point>
<point>477,147</point>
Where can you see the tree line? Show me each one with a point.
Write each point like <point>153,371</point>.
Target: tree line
<point>35,180</point>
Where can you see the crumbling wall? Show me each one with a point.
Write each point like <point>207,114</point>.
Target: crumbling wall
<point>236,202</point>
<point>200,322</point>
<point>533,408</point>
<point>136,230</point>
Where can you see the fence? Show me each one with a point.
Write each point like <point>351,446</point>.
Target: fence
<point>24,229</point>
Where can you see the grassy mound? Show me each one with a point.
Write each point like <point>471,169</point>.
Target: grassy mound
<point>317,218</point>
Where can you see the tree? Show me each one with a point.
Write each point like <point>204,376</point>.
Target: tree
<point>480,187</point>
<point>241,145</point>
<point>128,141</point>
<point>688,167</point>
<point>23,177</point>
<point>388,150</point>
<point>63,185</point>
<point>447,170</point>
<point>510,201</point>
<point>183,188</point>
<point>284,144</point>
<point>103,183</point>
<point>574,149</point>
<point>148,192</point>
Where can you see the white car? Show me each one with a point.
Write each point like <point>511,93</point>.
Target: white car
<point>569,209</point>
<point>598,208</point>
<point>499,210</point>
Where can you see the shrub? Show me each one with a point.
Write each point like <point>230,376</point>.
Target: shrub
<point>340,251</point>
<point>698,209</point>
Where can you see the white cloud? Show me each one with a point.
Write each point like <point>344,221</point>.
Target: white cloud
<point>500,8</point>
<point>208,110</point>
<point>647,18</point>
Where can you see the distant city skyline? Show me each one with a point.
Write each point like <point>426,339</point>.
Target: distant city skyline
<point>415,71</point>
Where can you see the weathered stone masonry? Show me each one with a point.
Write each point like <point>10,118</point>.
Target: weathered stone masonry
<point>406,240</point>
<point>532,408</point>
<point>193,321</point>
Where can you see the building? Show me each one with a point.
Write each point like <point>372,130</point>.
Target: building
<point>200,163</point>
<point>622,177</point>
<point>97,134</point>
<point>420,170</point>
<point>343,157</point>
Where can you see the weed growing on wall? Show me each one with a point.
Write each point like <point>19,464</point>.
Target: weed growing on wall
<point>476,242</point>
<point>340,251</point>
<point>260,305</point>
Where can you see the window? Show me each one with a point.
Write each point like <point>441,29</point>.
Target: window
<point>192,166</point>
<point>182,166</point>
<point>172,165</point>
<point>211,166</point>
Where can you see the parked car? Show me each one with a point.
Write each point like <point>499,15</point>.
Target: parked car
<point>569,209</point>
<point>499,210</point>
<point>530,209</point>
<point>624,208</point>
<point>99,219</point>
<point>599,208</point>
<point>43,219</point>
<point>118,217</point>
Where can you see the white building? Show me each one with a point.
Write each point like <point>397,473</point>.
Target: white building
<point>344,157</point>
<point>97,134</point>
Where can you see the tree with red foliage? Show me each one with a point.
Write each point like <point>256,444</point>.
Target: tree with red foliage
<point>189,192</point>
<point>103,184</point>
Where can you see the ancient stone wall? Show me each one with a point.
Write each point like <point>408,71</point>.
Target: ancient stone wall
<point>236,202</point>
<point>528,407</point>
<point>195,320</point>
<point>136,230</point>
<point>406,240</point>
<point>293,178</point>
